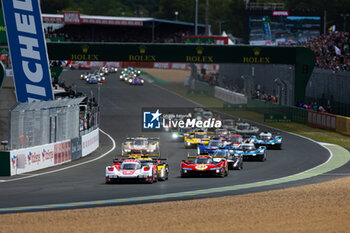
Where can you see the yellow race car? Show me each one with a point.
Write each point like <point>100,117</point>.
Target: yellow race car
<point>197,138</point>
<point>162,164</point>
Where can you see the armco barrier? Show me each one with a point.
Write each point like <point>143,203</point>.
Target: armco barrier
<point>230,96</point>
<point>322,120</point>
<point>34,158</point>
<point>343,124</point>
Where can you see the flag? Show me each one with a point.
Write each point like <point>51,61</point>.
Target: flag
<point>337,50</point>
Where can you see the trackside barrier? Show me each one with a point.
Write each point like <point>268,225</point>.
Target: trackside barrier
<point>229,96</point>
<point>322,120</point>
<point>34,158</point>
<point>90,142</point>
<point>5,163</point>
<point>155,65</point>
<point>343,124</point>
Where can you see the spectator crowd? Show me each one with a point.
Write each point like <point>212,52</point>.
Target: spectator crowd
<point>332,50</point>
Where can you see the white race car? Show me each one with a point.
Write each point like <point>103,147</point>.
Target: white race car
<point>140,145</point>
<point>131,170</point>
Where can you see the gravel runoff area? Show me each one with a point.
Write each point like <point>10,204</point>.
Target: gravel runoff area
<point>322,207</point>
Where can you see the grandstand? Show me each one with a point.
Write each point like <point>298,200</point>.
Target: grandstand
<point>71,26</point>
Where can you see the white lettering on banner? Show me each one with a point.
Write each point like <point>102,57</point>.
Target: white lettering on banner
<point>23,25</point>
<point>29,52</point>
<point>23,5</point>
<point>33,76</point>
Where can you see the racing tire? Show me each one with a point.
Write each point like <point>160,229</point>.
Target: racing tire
<point>263,158</point>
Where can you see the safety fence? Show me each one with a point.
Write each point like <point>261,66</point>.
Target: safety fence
<point>45,122</point>
<point>29,159</point>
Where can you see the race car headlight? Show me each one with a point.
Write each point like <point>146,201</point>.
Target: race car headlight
<point>139,72</point>
<point>174,135</point>
<point>101,74</point>
<point>103,78</point>
<point>127,150</point>
<point>81,75</point>
<point>142,81</point>
<point>130,80</point>
<point>121,76</point>
<point>99,79</point>
<point>217,170</point>
<point>87,79</point>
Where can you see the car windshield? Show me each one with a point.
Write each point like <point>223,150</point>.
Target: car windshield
<point>236,139</point>
<point>140,142</point>
<point>265,137</point>
<point>203,160</point>
<point>200,136</point>
<point>221,131</point>
<point>216,143</point>
<point>247,147</point>
<point>185,130</point>
<point>130,166</point>
<point>220,153</point>
<point>227,122</point>
<point>243,126</point>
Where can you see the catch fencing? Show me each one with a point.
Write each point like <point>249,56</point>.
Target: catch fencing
<point>45,122</point>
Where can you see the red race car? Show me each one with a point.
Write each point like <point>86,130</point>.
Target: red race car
<point>204,165</point>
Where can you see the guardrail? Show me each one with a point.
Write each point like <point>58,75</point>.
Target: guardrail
<point>35,158</point>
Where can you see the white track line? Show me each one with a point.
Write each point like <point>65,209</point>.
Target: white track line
<point>65,168</point>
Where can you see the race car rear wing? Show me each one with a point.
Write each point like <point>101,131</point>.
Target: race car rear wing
<point>141,155</point>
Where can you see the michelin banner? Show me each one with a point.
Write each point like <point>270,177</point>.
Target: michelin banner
<point>28,51</point>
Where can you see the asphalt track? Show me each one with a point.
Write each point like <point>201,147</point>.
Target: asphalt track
<point>120,117</point>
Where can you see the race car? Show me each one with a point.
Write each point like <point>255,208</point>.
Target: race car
<point>266,139</point>
<point>234,161</point>
<point>245,129</point>
<point>161,163</point>
<point>141,145</point>
<point>131,170</point>
<point>234,140</point>
<point>179,134</point>
<point>193,139</point>
<point>249,151</point>
<point>93,79</point>
<point>211,147</point>
<point>204,165</point>
<point>222,132</point>
<point>136,81</point>
<point>228,124</point>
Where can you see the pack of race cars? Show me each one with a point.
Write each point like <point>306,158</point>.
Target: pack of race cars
<point>217,151</point>
<point>98,76</point>
<point>131,76</point>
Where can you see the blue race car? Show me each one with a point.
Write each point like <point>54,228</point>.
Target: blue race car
<point>266,139</point>
<point>249,151</point>
<point>211,147</point>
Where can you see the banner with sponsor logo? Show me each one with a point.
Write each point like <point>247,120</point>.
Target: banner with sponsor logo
<point>31,159</point>
<point>62,152</point>
<point>90,142</point>
<point>28,50</point>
